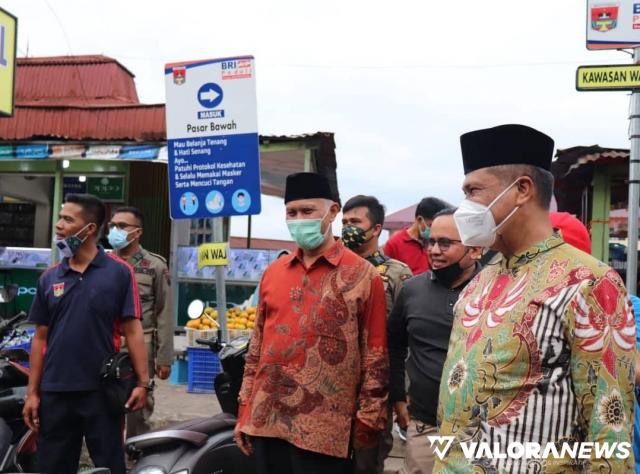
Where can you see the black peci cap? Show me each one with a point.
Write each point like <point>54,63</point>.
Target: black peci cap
<point>506,145</point>
<point>307,186</point>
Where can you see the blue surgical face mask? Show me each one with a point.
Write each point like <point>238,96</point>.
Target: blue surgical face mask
<point>307,233</point>
<point>426,233</point>
<point>118,238</point>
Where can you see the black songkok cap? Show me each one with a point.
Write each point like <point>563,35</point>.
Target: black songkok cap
<point>307,186</point>
<point>506,145</point>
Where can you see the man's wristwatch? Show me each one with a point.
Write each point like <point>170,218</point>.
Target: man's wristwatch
<point>149,386</point>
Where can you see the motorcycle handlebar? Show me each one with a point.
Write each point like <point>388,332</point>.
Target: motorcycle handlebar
<point>8,323</point>
<point>214,343</point>
<point>207,342</point>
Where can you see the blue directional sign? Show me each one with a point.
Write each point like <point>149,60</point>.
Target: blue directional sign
<point>212,138</point>
<point>210,95</point>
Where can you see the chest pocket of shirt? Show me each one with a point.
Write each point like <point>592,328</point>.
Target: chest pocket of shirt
<point>145,286</point>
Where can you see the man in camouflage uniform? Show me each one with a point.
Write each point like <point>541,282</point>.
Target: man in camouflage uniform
<point>152,275</point>
<point>362,220</point>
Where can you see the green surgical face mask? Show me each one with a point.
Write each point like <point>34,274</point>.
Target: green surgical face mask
<point>307,233</point>
<point>425,234</point>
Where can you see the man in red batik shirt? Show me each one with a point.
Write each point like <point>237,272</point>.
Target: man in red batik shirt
<point>315,382</point>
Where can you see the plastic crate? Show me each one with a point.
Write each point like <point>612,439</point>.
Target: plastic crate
<point>193,334</point>
<point>203,365</point>
<point>179,372</point>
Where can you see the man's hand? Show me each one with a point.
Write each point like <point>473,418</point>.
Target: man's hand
<point>30,412</point>
<point>242,440</point>
<point>163,371</point>
<point>364,437</point>
<point>402,414</point>
<point>137,400</point>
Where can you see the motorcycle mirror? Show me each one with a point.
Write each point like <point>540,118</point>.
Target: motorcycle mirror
<point>8,293</point>
<point>195,309</point>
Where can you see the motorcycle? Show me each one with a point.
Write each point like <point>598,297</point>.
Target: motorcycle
<point>17,442</point>
<point>202,445</point>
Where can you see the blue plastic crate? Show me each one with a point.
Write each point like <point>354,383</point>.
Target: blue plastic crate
<point>179,372</point>
<point>203,365</point>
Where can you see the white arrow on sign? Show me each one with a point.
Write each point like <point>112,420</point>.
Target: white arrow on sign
<point>209,95</point>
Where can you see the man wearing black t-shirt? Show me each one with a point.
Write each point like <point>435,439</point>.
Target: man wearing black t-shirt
<point>420,323</point>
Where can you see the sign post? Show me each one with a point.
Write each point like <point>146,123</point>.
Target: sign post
<point>616,25</point>
<point>621,77</point>
<point>634,186</point>
<point>212,137</point>
<point>8,44</point>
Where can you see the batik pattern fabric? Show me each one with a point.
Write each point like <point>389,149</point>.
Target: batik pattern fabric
<point>542,351</point>
<point>317,367</point>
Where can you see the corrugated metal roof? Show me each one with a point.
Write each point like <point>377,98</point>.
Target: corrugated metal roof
<point>128,123</point>
<point>571,159</point>
<point>74,80</point>
<point>574,170</point>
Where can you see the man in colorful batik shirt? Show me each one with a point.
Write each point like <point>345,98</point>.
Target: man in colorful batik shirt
<point>316,377</point>
<point>543,345</point>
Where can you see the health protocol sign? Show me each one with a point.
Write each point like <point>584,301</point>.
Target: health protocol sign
<point>212,135</point>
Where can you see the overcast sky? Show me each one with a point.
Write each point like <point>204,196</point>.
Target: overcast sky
<point>397,82</point>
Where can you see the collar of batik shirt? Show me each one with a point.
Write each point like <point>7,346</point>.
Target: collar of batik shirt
<point>526,257</point>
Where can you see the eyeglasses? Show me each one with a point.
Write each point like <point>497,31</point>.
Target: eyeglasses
<point>443,243</point>
<point>122,225</point>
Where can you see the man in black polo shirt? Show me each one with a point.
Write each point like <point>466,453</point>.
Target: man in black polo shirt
<point>421,321</point>
<point>81,308</point>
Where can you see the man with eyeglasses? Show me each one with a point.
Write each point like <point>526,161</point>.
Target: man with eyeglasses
<point>420,323</point>
<point>152,275</point>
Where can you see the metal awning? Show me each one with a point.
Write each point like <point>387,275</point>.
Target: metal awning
<point>279,155</point>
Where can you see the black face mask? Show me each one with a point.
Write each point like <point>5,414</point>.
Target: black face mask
<point>447,275</point>
<point>354,237</point>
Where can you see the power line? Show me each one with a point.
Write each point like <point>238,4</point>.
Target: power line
<point>392,67</point>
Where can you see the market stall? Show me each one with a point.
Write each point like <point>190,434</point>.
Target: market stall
<point>591,182</point>
<point>79,126</point>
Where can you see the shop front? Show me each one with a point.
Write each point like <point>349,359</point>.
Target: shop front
<point>79,127</point>
<point>592,183</point>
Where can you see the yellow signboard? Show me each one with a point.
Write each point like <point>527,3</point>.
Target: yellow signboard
<point>8,36</point>
<point>608,78</point>
<point>213,255</point>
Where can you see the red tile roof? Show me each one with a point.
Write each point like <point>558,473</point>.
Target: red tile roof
<point>74,80</point>
<point>125,123</point>
<point>400,219</point>
<point>80,98</point>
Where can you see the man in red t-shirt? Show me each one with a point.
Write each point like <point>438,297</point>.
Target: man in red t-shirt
<point>409,245</point>
<point>572,230</point>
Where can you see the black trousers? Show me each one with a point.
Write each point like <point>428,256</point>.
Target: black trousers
<point>276,456</point>
<point>67,417</point>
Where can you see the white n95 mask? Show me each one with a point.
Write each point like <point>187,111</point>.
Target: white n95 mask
<point>476,224</point>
